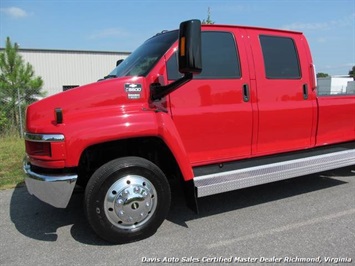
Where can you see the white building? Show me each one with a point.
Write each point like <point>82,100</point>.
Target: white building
<point>336,85</point>
<point>350,88</point>
<point>65,69</point>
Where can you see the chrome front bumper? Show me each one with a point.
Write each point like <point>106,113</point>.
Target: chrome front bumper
<point>55,190</point>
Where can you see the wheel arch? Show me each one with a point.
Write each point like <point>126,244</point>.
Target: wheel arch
<point>151,148</point>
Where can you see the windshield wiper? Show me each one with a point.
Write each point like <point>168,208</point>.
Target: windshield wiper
<point>110,76</point>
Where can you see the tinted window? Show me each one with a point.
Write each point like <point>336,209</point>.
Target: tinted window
<point>280,57</point>
<point>219,58</point>
<point>172,67</point>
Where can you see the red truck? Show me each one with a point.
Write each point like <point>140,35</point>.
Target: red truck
<point>217,107</point>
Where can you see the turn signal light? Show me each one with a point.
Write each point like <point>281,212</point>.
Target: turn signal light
<point>182,46</point>
<point>38,148</point>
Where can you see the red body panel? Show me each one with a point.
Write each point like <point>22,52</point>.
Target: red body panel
<point>336,119</point>
<point>204,121</point>
<point>99,113</point>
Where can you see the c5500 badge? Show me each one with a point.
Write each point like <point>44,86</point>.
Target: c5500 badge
<point>133,91</point>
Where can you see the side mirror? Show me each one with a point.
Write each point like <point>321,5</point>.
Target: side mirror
<point>190,60</point>
<point>189,57</point>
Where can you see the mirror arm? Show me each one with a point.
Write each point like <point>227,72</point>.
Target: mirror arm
<point>158,91</point>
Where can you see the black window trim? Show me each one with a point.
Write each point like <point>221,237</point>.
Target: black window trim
<point>69,87</point>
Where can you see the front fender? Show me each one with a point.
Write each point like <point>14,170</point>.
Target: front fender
<point>145,123</point>
<point>168,132</point>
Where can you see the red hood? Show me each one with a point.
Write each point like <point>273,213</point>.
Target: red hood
<point>85,101</point>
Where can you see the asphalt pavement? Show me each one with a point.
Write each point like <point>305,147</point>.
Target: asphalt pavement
<point>306,220</point>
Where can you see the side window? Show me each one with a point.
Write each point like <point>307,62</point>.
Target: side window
<point>280,57</point>
<point>172,68</point>
<point>219,58</point>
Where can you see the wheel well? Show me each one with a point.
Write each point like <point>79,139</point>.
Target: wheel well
<point>152,149</point>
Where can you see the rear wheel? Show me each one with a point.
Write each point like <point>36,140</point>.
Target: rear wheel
<point>127,199</point>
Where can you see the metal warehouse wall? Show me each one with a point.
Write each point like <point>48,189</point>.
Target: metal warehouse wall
<point>60,68</point>
<point>335,85</point>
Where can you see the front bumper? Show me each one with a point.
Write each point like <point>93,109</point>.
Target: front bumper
<point>55,190</point>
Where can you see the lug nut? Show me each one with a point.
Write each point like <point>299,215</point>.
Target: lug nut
<point>120,202</point>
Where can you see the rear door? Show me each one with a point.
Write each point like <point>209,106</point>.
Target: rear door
<point>286,104</point>
<point>213,112</point>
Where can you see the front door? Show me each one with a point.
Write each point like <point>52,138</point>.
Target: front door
<point>213,112</point>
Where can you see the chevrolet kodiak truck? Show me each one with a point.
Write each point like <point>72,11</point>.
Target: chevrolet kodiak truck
<point>218,107</point>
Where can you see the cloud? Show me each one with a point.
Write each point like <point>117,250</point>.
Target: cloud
<point>108,33</point>
<point>342,69</point>
<point>342,22</point>
<point>14,12</point>
<point>231,8</point>
<point>306,26</point>
<point>321,40</point>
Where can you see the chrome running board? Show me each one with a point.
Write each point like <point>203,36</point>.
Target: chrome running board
<point>252,176</point>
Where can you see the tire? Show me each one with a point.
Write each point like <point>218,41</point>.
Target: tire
<point>127,199</point>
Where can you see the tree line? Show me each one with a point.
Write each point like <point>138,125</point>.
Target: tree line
<point>351,73</point>
<point>19,87</point>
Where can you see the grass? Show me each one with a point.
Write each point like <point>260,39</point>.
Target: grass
<point>12,152</point>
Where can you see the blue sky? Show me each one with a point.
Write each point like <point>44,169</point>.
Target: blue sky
<point>110,25</point>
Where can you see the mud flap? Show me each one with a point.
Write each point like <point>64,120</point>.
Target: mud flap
<point>191,196</point>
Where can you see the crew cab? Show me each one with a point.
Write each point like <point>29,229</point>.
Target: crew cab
<point>216,107</point>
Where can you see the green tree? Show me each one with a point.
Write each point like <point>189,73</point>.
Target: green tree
<point>352,72</point>
<point>18,85</point>
<point>322,75</point>
<point>208,20</point>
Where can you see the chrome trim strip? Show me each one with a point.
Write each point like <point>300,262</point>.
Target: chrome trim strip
<point>44,137</point>
<point>227,181</point>
<point>55,190</point>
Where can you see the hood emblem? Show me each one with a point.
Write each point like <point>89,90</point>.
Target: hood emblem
<point>133,90</point>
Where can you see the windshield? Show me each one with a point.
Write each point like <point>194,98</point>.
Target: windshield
<point>143,59</point>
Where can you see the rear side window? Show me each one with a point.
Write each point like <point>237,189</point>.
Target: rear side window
<point>280,57</point>
<point>220,59</point>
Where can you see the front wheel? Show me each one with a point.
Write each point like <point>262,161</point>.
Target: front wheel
<point>127,199</point>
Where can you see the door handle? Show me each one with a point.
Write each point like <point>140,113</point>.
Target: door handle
<point>246,93</point>
<point>305,91</point>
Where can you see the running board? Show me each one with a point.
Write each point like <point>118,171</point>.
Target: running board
<point>242,178</point>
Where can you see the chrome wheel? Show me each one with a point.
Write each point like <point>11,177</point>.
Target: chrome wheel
<point>127,199</point>
<point>130,202</point>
